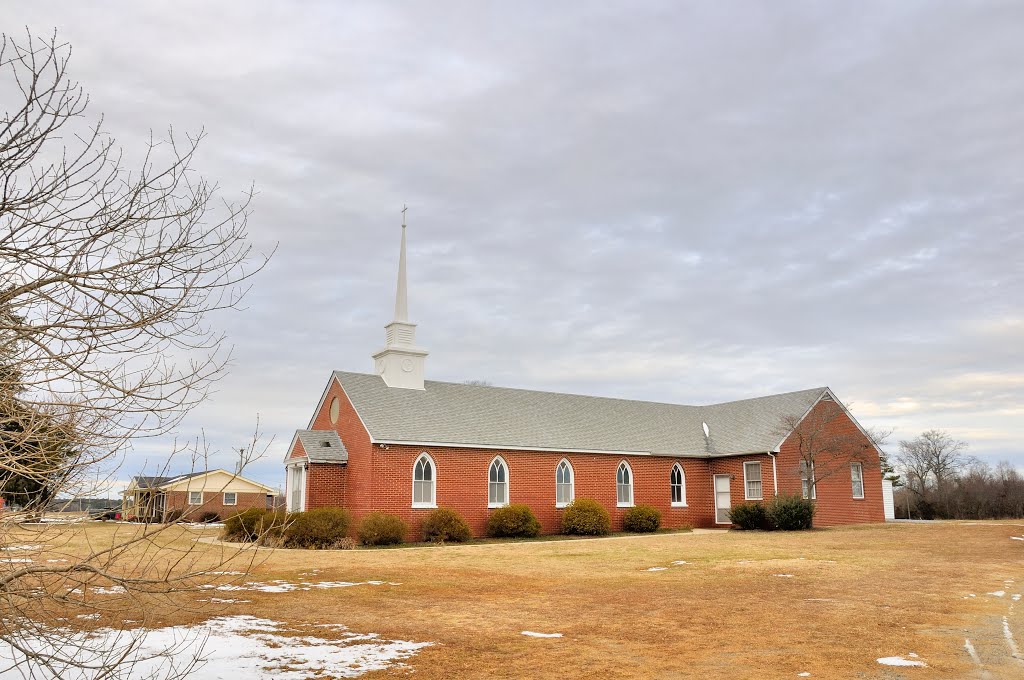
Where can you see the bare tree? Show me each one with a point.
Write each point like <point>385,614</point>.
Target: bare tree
<point>827,443</point>
<point>931,462</point>
<point>108,274</point>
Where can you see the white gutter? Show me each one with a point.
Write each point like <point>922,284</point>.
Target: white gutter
<point>775,474</point>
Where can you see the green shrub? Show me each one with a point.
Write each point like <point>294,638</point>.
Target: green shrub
<point>443,525</point>
<point>245,526</point>
<point>586,517</point>
<point>513,521</point>
<point>317,529</point>
<point>750,516</point>
<point>642,519</point>
<point>379,528</point>
<point>791,513</point>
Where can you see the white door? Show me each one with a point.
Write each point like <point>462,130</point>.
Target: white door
<point>723,502</point>
<point>887,500</point>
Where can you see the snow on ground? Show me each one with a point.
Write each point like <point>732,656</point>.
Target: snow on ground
<point>900,661</point>
<point>1017,538</point>
<point>231,647</point>
<point>282,586</point>
<point>22,547</point>
<point>678,562</point>
<point>530,633</point>
<point>783,575</point>
<point>997,593</point>
<point>657,569</point>
<point>14,560</point>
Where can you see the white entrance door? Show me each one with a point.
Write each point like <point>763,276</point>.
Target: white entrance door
<point>723,502</point>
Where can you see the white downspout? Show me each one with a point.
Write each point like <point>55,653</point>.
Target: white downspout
<point>775,474</point>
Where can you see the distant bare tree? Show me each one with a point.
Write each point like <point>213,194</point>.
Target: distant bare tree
<point>826,445</point>
<point>107,279</point>
<point>931,462</point>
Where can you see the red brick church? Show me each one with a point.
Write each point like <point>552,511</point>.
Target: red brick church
<point>396,443</point>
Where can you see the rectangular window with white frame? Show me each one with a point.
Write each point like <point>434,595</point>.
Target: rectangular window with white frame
<point>857,479</point>
<point>195,497</point>
<point>752,481</point>
<point>807,486</point>
<point>230,498</point>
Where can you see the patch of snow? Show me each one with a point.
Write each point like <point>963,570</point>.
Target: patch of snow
<point>530,633</point>
<point>281,586</point>
<point>200,525</point>
<point>55,561</point>
<point>224,600</point>
<point>783,575</point>
<point>997,593</point>
<point>805,674</point>
<point>22,547</point>
<point>1016,597</point>
<point>677,562</point>
<point>227,647</point>
<point>14,560</point>
<point>973,653</point>
<point>657,569</point>
<point>88,617</point>
<point>900,661</point>
<point>112,590</point>
<point>1010,642</point>
<point>1017,538</point>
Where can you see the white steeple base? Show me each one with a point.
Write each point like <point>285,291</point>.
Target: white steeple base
<point>401,363</point>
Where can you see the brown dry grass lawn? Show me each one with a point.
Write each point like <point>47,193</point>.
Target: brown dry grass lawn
<point>854,594</point>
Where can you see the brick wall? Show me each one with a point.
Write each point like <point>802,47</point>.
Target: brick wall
<point>359,474</point>
<point>834,501</point>
<point>213,501</point>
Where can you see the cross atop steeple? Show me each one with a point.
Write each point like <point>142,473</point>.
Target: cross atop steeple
<point>400,363</point>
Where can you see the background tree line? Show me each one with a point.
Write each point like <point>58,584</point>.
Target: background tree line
<point>939,480</point>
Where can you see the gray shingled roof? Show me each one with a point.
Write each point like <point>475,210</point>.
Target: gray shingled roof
<point>156,481</point>
<point>322,446</point>
<point>454,413</point>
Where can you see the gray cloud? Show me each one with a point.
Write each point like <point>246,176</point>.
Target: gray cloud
<point>686,202</point>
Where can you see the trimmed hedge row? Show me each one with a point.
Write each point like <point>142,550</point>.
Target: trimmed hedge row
<point>785,513</point>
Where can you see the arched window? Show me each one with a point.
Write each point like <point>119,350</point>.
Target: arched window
<point>564,491</point>
<point>497,484</point>
<point>677,483</point>
<point>424,482</point>
<point>624,485</point>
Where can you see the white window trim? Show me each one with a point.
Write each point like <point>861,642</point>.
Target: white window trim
<point>714,496</point>
<point>433,482</point>
<point>810,485</point>
<point>631,482</point>
<point>190,497</point>
<point>508,484</point>
<point>746,488</point>
<point>682,477</point>
<point>572,483</point>
<point>860,467</point>
<point>224,500</point>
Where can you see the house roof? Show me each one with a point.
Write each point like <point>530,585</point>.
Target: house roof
<point>321,446</point>
<point>501,417</point>
<point>163,483</point>
<point>156,481</point>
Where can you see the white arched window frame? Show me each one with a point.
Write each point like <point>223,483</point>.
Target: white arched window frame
<point>497,483</point>
<point>565,489</point>
<point>624,485</point>
<point>424,482</point>
<point>677,486</point>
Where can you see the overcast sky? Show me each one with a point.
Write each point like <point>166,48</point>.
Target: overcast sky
<point>683,202</point>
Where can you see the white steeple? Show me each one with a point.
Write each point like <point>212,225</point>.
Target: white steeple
<point>401,362</point>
